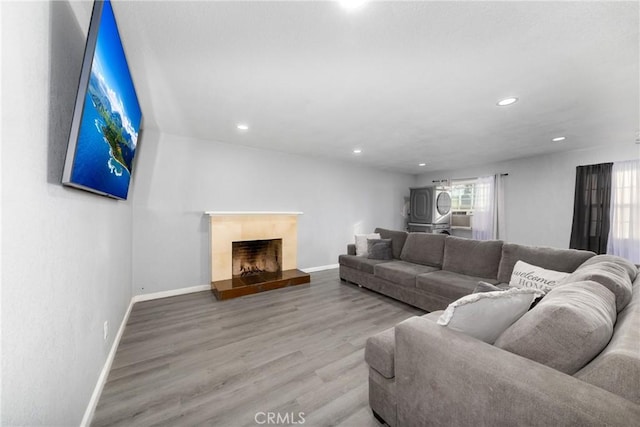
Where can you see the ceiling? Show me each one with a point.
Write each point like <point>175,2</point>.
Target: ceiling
<point>405,82</point>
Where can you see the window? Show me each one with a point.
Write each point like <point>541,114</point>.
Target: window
<point>623,195</point>
<point>624,234</point>
<point>478,204</point>
<point>463,194</point>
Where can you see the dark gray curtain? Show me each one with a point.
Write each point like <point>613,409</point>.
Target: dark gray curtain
<point>591,218</point>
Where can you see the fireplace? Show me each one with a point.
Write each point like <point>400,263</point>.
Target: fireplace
<point>253,252</point>
<point>256,257</point>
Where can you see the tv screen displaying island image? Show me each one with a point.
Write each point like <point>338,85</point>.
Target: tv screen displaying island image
<point>107,116</point>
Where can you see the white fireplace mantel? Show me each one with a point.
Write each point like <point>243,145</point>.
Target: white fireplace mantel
<point>217,213</point>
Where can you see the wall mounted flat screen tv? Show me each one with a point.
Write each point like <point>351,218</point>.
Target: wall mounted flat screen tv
<point>107,116</point>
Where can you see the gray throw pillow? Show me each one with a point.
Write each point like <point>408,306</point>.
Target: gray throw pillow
<point>397,239</point>
<point>567,329</point>
<point>486,287</point>
<point>379,249</point>
<point>361,243</point>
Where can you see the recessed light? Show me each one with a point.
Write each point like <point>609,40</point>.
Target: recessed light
<point>422,164</point>
<point>559,138</point>
<point>351,4</point>
<point>242,126</point>
<point>357,151</point>
<point>507,101</point>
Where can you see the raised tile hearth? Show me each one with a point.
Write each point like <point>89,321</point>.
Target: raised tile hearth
<point>240,286</point>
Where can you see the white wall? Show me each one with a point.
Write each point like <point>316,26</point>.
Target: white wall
<point>66,254</point>
<point>539,190</point>
<point>179,178</point>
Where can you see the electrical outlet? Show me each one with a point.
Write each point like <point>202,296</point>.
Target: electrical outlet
<point>106,329</point>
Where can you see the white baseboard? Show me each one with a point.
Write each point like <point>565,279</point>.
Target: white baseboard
<point>171,293</point>
<point>102,379</point>
<point>321,268</point>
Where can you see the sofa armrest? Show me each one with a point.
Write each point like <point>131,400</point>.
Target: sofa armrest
<point>444,377</point>
<point>351,249</point>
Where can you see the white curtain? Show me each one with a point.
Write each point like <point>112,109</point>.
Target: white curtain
<point>624,233</point>
<point>500,228</point>
<point>483,221</point>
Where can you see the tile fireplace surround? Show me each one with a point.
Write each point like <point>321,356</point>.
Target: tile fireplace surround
<point>228,227</point>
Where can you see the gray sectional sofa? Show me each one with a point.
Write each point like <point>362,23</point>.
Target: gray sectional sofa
<point>422,373</point>
<point>430,271</point>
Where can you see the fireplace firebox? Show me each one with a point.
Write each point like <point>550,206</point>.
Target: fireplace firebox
<point>256,257</point>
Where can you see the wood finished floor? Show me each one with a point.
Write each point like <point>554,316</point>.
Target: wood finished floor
<point>191,360</point>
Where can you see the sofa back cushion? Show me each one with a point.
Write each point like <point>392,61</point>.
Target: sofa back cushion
<point>566,260</point>
<point>397,239</point>
<point>628,266</point>
<point>617,367</point>
<point>424,248</point>
<point>610,275</point>
<point>478,258</point>
<point>568,328</point>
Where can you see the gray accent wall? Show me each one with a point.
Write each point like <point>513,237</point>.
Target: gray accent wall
<point>179,178</point>
<point>66,254</point>
<point>539,190</point>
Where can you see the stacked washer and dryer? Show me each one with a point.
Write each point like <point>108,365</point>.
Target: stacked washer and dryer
<point>430,210</point>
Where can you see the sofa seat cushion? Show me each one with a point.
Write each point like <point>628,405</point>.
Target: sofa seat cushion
<point>565,260</point>
<point>359,263</point>
<point>397,237</point>
<point>424,248</point>
<point>567,329</point>
<point>478,258</point>
<point>379,352</point>
<point>448,284</point>
<point>401,272</point>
